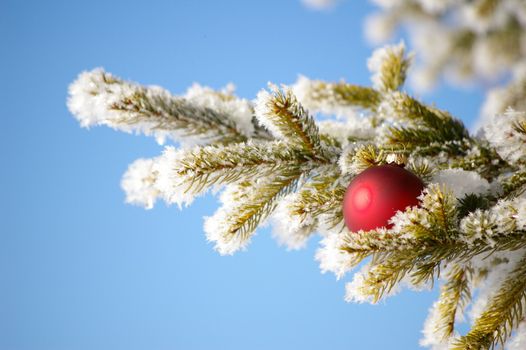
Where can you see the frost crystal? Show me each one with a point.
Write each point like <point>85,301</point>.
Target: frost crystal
<point>353,290</point>
<point>240,110</point>
<point>501,132</point>
<point>331,257</point>
<point>432,337</point>
<point>462,182</point>
<point>321,97</point>
<point>139,183</point>
<point>381,62</point>
<point>173,188</point>
<point>291,230</point>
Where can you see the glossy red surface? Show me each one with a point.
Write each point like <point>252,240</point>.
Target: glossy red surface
<point>376,194</point>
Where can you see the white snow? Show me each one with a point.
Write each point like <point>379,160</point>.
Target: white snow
<point>462,182</point>
<point>291,231</point>
<point>331,257</point>
<point>224,101</point>
<point>380,58</point>
<point>139,183</point>
<point>510,144</point>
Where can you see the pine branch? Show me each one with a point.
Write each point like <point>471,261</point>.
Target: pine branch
<point>487,225</point>
<point>246,206</point>
<point>471,203</point>
<point>428,124</point>
<point>502,314</point>
<point>282,114</point>
<point>440,205</point>
<point>99,98</point>
<point>515,185</point>
<point>421,168</point>
<point>422,262</point>
<point>359,156</point>
<point>389,66</point>
<point>454,296</point>
<point>421,240</point>
<point>453,149</point>
<point>204,167</point>
<point>504,134</point>
<point>275,156</point>
<point>386,271</point>
<point>374,241</point>
<point>330,98</point>
<point>321,195</point>
<point>479,156</point>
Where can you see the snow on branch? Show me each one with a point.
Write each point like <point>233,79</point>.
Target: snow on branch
<point>273,160</point>
<point>460,40</point>
<point>317,203</point>
<point>99,98</point>
<point>507,133</point>
<point>245,206</point>
<point>335,98</point>
<point>139,183</point>
<point>281,113</point>
<point>454,296</point>
<point>216,165</point>
<point>389,66</point>
<point>502,314</point>
<point>427,124</point>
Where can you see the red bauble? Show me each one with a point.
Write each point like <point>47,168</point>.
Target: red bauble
<point>376,194</point>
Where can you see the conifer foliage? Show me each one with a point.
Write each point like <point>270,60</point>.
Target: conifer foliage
<point>272,160</point>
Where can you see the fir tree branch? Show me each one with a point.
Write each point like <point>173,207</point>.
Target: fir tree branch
<point>515,185</point>
<point>282,114</point>
<point>479,156</point>
<point>455,294</point>
<point>502,314</point>
<point>471,203</point>
<point>246,206</point>
<point>429,124</point>
<point>503,132</point>
<point>203,167</point>
<point>422,262</point>
<point>359,156</point>
<point>385,272</point>
<point>486,225</point>
<point>353,95</point>
<point>519,126</point>
<point>264,154</point>
<point>321,195</point>
<point>99,98</point>
<point>330,98</point>
<point>421,168</point>
<point>374,241</point>
<point>421,240</point>
<point>389,66</point>
<point>440,205</point>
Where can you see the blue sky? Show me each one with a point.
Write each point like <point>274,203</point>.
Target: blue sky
<point>79,269</point>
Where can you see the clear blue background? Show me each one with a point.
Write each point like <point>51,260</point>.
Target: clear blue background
<point>79,269</point>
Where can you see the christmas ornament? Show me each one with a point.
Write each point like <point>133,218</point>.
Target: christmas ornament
<point>377,193</point>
